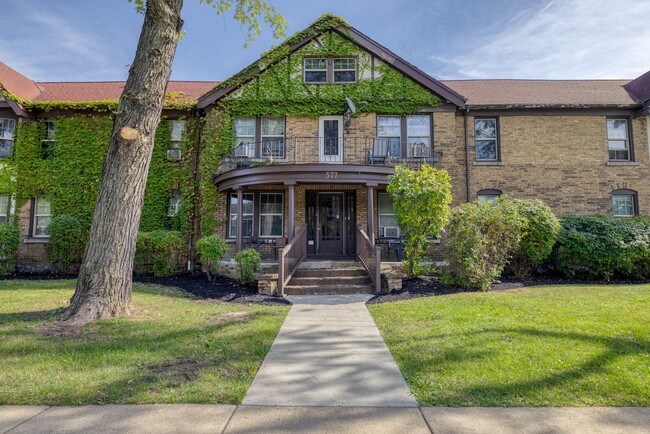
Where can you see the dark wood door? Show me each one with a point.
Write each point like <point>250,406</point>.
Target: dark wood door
<point>330,224</point>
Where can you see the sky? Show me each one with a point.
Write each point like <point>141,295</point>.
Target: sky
<point>95,40</point>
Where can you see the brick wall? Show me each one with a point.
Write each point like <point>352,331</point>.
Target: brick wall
<point>31,256</point>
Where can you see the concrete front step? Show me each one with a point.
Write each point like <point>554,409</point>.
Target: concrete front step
<point>334,280</point>
<point>326,289</point>
<point>338,272</point>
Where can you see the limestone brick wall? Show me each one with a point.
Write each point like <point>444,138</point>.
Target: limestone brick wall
<point>31,256</point>
<point>562,160</point>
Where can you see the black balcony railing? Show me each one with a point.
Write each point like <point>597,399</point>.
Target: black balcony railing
<point>332,150</point>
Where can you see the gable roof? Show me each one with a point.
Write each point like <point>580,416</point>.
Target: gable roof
<point>325,23</point>
<point>17,84</point>
<point>544,93</point>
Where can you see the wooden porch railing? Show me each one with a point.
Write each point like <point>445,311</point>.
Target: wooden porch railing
<point>290,258</point>
<point>370,256</point>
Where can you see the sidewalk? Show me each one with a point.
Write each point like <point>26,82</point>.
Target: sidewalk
<point>230,419</point>
<point>329,353</point>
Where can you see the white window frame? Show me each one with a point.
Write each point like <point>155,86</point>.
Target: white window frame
<point>174,126</point>
<point>37,216</point>
<point>5,210</point>
<point>305,70</point>
<point>174,206</point>
<point>486,139</point>
<point>632,197</point>
<point>335,69</point>
<point>281,214</point>
<point>410,149</point>
<point>388,137</point>
<point>4,122</point>
<point>277,138</point>
<point>48,139</point>
<point>380,197</point>
<point>232,233</point>
<point>626,141</point>
<point>248,140</point>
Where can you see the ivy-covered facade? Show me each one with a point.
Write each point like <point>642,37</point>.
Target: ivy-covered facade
<point>303,141</point>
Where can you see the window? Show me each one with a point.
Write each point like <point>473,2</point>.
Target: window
<point>618,140</point>
<point>389,132</point>
<point>413,130</point>
<point>486,136</point>
<point>5,204</point>
<point>174,206</point>
<point>42,217</point>
<point>7,127</point>
<point>345,70</point>
<point>387,221</point>
<point>272,136</point>
<point>247,214</point>
<point>487,196</point>
<point>271,214</point>
<point>624,203</point>
<point>176,138</point>
<point>315,70</point>
<point>330,69</point>
<point>245,137</point>
<point>418,135</point>
<point>47,144</point>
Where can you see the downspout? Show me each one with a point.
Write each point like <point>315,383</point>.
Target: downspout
<point>467,171</point>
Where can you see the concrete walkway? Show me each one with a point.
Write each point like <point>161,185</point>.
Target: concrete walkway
<point>230,419</point>
<point>329,353</point>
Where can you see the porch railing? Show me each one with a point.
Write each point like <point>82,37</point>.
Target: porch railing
<point>385,151</point>
<point>290,258</point>
<point>369,255</point>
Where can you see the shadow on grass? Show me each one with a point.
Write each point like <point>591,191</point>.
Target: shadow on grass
<point>31,316</point>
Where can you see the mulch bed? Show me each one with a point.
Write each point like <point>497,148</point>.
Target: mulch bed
<point>429,287</point>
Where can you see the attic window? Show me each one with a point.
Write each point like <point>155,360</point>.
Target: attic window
<point>315,70</point>
<point>330,69</point>
<point>345,70</point>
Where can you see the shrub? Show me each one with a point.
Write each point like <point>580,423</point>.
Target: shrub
<point>598,246</point>
<point>159,252</point>
<point>9,242</point>
<point>421,201</point>
<point>211,249</point>
<point>481,240</point>
<point>540,233</point>
<point>67,242</point>
<point>248,261</point>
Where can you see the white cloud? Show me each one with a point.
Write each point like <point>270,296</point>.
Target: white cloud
<point>586,39</point>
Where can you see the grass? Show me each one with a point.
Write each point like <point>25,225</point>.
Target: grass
<point>573,345</point>
<point>173,349</point>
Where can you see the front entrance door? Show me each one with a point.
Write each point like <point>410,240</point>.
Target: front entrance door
<point>330,224</point>
<point>330,139</point>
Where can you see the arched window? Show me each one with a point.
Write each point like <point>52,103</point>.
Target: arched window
<point>624,203</point>
<point>488,196</point>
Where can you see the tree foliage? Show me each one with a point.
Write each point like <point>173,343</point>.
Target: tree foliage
<point>212,250</point>
<point>9,242</point>
<point>421,201</point>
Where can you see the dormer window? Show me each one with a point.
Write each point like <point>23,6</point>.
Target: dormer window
<point>330,70</point>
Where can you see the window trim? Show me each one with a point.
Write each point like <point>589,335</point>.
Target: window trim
<point>257,138</point>
<point>629,140</point>
<point>497,138</point>
<point>381,194</point>
<point>329,75</point>
<point>403,138</point>
<point>33,216</point>
<point>231,214</point>
<point>177,206</point>
<point>259,214</point>
<point>262,136</point>
<point>13,136</point>
<point>6,214</point>
<point>625,192</point>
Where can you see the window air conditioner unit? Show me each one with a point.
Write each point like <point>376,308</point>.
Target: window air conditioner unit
<point>174,154</point>
<point>391,232</point>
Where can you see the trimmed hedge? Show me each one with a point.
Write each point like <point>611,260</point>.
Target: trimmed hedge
<point>602,247</point>
<point>9,242</point>
<point>159,253</point>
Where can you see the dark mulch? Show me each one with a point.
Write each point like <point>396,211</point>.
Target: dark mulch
<point>429,286</point>
<point>223,288</point>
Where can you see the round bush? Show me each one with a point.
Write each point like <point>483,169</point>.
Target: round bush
<point>211,249</point>
<point>248,261</point>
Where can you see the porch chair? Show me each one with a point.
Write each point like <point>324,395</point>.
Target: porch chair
<point>397,246</point>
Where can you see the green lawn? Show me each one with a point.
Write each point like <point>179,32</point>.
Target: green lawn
<point>173,349</point>
<point>541,346</point>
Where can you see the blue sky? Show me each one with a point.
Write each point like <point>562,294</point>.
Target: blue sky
<point>91,40</point>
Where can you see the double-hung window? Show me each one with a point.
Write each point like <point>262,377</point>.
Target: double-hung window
<point>7,127</point>
<point>247,214</point>
<point>315,70</point>
<point>624,203</point>
<point>245,137</point>
<point>389,136</point>
<point>176,138</point>
<point>486,132</point>
<point>272,133</point>
<point>271,214</point>
<point>5,204</point>
<point>393,131</point>
<point>42,216</point>
<point>47,143</point>
<point>345,70</point>
<point>418,135</point>
<point>618,140</point>
<point>175,203</point>
<point>387,222</point>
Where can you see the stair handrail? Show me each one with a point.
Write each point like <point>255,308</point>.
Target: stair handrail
<point>369,255</point>
<point>290,258</point>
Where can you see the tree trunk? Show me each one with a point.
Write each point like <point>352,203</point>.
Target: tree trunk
<point>105,277</point>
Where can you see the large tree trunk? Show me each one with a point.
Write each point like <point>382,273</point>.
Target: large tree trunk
<point>104,285</point>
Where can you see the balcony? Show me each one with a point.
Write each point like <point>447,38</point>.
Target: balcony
<point>361,151</point>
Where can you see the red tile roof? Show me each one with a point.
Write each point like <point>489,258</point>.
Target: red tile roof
<point>543,93</point>
<point>17,84</point>
<point>111,90</point>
